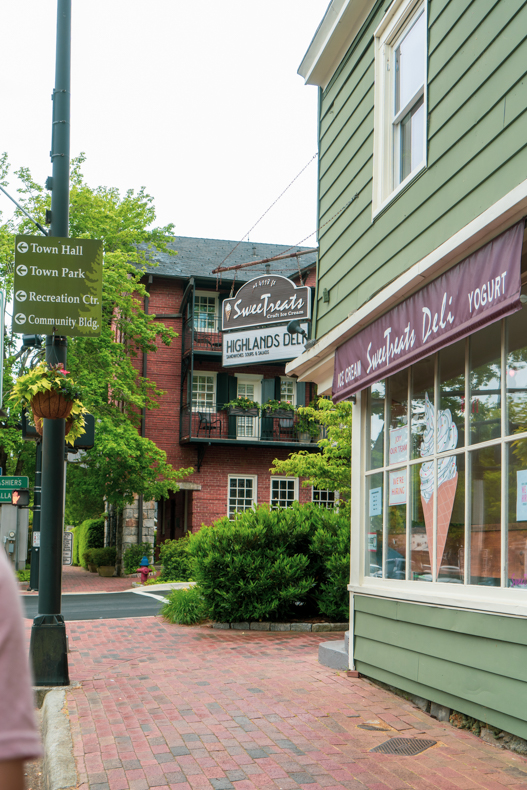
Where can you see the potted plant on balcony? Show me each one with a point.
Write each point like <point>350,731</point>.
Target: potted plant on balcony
<point>306,428</point>
<point>282,409</point>
<point>242,407</point>
<point>104,560</point>
<point>52,394</point>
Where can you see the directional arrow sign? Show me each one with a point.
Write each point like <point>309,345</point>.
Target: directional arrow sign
<point>10,483</point>
<point>58,286</point>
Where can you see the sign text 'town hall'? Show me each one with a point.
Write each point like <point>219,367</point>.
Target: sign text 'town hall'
<point>58,286</point>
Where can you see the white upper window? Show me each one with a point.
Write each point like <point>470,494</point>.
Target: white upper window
<point>400,99</point>
<point>205,311</point>
<point>288,390</point>
<point>204,392</point>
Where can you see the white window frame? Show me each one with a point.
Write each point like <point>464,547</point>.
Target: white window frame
<point>321,503</point>
<point>192,306</point>
<point>288,379</point>
<point>273,479</point>
<point>196,408</point>
<point>249,378</point>
<point>254,478</point>
<point>400,16</point>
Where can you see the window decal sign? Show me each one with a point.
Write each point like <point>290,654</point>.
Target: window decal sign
<point>398,445</point>
<point>397,495</point>
<point>376,502</point>
<point>521,495</point>
<point>481,289</point>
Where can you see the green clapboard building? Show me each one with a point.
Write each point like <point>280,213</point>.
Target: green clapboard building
<point>420,320</point>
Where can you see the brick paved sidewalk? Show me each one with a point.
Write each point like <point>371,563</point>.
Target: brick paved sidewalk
<point>78,580</point>
<point>164,706</point>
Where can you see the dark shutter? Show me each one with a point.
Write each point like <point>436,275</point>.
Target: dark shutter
<point>226,389</point>
<point>300,393</point>
<point>278,388</point>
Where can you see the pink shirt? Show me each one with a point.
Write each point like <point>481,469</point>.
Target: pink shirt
<point>19,738</point>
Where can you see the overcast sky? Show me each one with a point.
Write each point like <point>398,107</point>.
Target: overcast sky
<point>199,101</point>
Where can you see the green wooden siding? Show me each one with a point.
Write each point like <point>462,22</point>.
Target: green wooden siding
<point>471,662</point>
<point>477,133</point>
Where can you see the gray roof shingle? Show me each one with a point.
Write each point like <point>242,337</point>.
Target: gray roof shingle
<point>198,257</point>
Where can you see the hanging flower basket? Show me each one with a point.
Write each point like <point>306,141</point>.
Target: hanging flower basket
<point>282,414</point>
<point>51,405</point>
<point>239,412</point>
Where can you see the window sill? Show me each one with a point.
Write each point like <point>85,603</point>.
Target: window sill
<point>496,600</point>
<point>403,186</point>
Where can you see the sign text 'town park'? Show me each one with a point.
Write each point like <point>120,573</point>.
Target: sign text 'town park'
<point>58,286</point>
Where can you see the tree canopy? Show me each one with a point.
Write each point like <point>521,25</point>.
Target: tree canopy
<point>122,462</point>
<point>331,468</point>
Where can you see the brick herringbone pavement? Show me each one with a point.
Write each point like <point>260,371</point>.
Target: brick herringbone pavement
<point>164,706</point>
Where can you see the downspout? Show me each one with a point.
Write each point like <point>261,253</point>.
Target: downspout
<point>143,415</point>
<point>315,305</point>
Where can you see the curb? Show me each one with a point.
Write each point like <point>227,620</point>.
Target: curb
<point>316,627</point>
<point>58,769</point>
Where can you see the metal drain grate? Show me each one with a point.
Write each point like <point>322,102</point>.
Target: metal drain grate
<point>405,746</point>
<point>371,727</point>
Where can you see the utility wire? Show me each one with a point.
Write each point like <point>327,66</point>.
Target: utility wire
<point>269,209</point>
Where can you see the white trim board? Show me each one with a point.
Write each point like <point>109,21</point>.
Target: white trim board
<point>511,208</point>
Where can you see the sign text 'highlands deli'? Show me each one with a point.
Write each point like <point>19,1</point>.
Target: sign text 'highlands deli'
<point>58,286</point>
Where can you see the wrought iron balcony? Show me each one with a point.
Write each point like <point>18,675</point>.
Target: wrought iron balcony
<point>202,332</point>
<point>220,427</point>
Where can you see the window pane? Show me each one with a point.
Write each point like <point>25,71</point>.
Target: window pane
<point>516,381</point>
<point>375,505</point>
<point>376,421</point>
<point>398,450</point>
<point>287,390</point>
<point>423,393</point>
<point>412,140</point>
<point>282,492</point>
<point>410,64</point>
<point>241,495</point>
<point>485,384</point>
<point>396,537</point>
<point>420,545</point>
<point>485,552</point>
<point>517,538</point>
<point>323,497</point>
<point>451,519</point>
<point>452,387</point>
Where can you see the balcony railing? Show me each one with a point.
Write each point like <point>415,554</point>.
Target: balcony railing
<point>202,333</point>
<point>220,426</point>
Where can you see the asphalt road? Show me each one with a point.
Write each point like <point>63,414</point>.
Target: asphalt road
<point>99,606</point>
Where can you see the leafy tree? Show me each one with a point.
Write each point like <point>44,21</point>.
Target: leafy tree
<point>331,468</point>
<point>122,462</point>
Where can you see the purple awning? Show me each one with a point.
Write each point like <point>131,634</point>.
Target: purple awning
<point>477,291</point>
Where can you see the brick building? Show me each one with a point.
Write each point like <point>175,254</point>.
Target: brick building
<point>231,456</point>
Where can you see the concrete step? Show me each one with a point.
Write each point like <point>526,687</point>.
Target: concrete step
<point>335,654</point>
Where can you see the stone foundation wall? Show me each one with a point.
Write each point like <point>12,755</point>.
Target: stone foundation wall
<point>131,520</point>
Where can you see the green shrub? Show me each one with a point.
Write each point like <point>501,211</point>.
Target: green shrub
<point>103,556</point>
<point>185,606</point>
<point>331,542</point>
<point>260,566</point>
<point>90,536</point>
<point>176,560</point>
<point>23,576</point>
<point>75,558</point>
<point>134,554</point>
<point>87,558</point>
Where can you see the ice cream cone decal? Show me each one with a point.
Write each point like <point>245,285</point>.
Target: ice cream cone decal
<point>228,310</point>
<point>446,477</point>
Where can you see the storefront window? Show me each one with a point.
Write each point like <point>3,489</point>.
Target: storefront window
<point>517,512</point>
<point>396,537</point>
<point>485,529</point>
<point>376,425</point>
<point>375,509</point>
<point>516,372</point>
<point>446,494</point>
<point>423,392</point>
<point>450,546</point>
<point>485,384</point>
<point>398,415</point>
<point>452,386</point>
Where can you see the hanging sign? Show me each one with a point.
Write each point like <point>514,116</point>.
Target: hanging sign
<point>58,286</point>
<point>266,300</point>
<point>268,344</point>
<point>474,293</point>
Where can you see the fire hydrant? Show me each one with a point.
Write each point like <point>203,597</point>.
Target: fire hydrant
<point>144,569</point>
